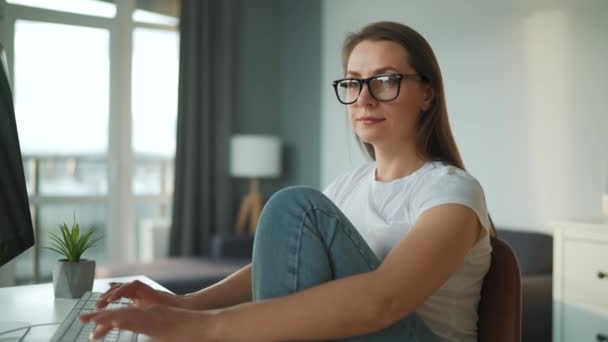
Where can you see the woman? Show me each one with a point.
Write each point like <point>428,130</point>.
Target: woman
<point>394,250</point>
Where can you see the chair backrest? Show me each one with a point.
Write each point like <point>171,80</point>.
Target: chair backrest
<point>500,304</point>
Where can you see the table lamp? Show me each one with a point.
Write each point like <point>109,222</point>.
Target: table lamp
<point>253,157</point>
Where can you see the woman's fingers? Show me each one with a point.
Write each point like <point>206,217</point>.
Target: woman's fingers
<point>88,317</point>
<point>117,291</point>
<point>103,299</point>
<point>114,285</point>
<point>124,319</point>
<point>100,331</point>
<point>137,291</point>
<point>134,321</point>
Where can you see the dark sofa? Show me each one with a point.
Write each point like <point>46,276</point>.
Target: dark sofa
<point>534,252</point>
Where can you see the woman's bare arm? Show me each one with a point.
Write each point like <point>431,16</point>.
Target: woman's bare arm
<point>418,265</point>
<point>233,290</point>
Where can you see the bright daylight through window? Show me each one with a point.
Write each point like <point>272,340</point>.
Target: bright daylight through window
<point>64,57</point>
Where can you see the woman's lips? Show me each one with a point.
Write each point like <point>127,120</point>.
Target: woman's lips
<point>370,120</point>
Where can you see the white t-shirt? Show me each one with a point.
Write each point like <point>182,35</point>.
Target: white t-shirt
<point>383,214</point>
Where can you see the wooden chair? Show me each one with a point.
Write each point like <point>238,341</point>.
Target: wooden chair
<point>500,304</point>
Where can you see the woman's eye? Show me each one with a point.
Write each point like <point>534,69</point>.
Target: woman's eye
<point>384,81</point>
<point>350,84</point>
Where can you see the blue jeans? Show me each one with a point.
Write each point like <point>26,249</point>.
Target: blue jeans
<point>304,240</point>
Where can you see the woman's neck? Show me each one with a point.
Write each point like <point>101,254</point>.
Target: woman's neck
<point>391,166</point>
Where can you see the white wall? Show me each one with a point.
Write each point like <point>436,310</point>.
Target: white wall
<point>527,94</point>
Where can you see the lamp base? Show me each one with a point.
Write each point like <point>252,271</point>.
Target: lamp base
<point>251,207</point>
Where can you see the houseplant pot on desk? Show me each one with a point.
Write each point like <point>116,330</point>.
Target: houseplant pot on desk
<point>72,276</point>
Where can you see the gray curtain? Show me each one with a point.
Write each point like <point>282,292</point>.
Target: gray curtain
<point>202,200</point>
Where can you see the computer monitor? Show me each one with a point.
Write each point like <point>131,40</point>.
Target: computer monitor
<point>16,231</point>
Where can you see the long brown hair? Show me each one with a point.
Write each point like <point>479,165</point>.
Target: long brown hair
<point>434,139</point>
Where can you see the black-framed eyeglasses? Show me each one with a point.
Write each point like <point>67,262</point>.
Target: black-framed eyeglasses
<point>383,87</point>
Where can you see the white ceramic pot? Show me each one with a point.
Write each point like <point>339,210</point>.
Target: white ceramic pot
<point>73,279</point>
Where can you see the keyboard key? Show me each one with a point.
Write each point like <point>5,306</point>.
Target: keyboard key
<point>89,305</point>
<point>72,329</point>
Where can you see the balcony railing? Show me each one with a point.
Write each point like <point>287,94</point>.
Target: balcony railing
<point>60,186</point>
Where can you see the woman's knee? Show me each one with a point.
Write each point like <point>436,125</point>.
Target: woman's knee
<point>290,204</point>
<point>297,196</point>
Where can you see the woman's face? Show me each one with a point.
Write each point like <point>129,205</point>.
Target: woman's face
<point>385,123</point>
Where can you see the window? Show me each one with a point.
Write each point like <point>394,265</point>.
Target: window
<point>72,103</point>
<point>154,98</point>
<point>89,7</point>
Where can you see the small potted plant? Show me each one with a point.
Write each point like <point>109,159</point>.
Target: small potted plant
<point>73,276</point>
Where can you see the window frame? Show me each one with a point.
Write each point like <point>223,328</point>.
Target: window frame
<point>120,199</point>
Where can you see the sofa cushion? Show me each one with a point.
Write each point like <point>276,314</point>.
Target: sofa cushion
<point>232,246</point>
<point>534,250</point>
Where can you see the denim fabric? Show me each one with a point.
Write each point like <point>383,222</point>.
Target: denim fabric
<point>303,240</point>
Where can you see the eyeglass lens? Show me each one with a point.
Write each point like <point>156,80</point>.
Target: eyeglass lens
<point>383,88</point>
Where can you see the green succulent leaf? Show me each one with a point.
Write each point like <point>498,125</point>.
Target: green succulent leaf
<point>57,240</point>
<point>60,251</point>
<point>76,233</point>
<point>72,242</point>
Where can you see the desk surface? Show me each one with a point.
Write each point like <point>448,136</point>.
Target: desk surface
<point>36,304</point>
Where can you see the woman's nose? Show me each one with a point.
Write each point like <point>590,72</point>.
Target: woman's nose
<point>365,97</point>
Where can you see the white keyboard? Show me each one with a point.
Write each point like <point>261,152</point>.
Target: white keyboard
<point>72,329</point>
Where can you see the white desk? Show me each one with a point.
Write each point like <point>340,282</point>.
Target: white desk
<point>36,304</point>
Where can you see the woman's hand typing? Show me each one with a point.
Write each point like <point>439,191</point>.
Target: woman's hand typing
<point>140,293</point>
<point>160,322</point>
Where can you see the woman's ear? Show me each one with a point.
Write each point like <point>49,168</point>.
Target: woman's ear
<point>429,96</point>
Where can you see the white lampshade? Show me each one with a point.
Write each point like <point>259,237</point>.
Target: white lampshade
<point>255,156</point>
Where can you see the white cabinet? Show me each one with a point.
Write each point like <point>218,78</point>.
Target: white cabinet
<point>580,281</point>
